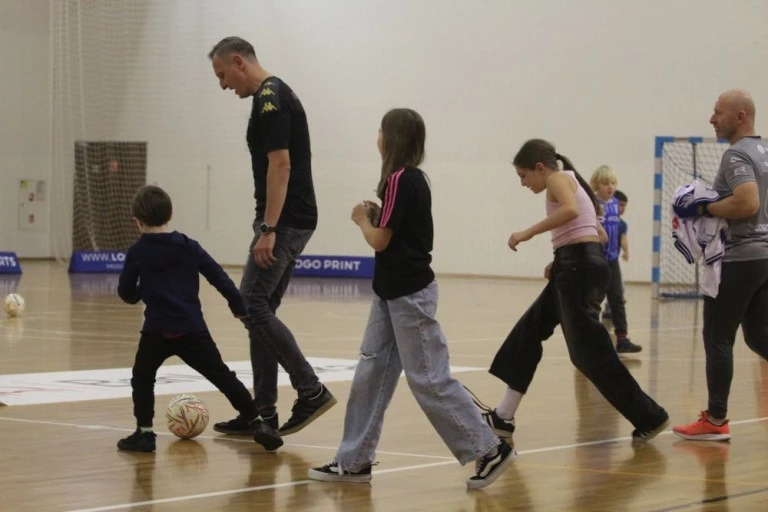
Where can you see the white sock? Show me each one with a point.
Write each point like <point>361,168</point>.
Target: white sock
<point>508,406</point>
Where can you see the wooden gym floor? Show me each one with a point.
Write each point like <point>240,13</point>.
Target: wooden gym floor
<point>575,453</point>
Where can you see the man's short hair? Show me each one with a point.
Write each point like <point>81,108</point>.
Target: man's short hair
<point>230,45</point>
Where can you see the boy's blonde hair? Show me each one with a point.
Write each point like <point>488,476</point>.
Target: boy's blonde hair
<point>601,175</point>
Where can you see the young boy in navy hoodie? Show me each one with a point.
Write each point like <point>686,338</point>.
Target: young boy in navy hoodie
<point>162,269</point>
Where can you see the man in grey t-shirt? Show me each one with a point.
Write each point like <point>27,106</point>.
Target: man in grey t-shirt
<point>745,163</point>
<point>742,298</point>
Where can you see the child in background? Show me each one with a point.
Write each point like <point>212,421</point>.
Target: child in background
<point>603,182</point>
<point>623,240</point>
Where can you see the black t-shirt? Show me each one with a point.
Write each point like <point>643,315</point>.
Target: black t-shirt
<point>278,121</point>
<point>403,267</point>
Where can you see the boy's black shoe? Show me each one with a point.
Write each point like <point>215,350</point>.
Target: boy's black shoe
<point>138,442</point>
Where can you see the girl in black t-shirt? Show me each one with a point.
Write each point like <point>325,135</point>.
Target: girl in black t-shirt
<point>402,333</point>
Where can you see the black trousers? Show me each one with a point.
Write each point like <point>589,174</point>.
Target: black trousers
<point>197,350</point>
<point>616,302</point>
<point>742,299</point>
<point>572,298</point>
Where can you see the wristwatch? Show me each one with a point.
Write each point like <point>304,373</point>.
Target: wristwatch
<point>266,228</point>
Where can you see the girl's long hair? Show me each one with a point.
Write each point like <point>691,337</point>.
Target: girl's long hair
<point>403,136</point>
<point>540,151</point>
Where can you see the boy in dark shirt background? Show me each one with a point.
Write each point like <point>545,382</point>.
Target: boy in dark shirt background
<point>163,269</point>
<point>623,241</point>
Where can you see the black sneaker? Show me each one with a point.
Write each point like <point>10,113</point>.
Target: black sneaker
<point>272,421</point>
<point>625,346</point>
<point>240,426</point>
<point>236,427</point>
<point>647,435</point>
<point>138,442</point>
<point>501,427</point>
<point>307,410</point>
<point>490,467</point>
<point>333,473</point>
<point>265,435</point>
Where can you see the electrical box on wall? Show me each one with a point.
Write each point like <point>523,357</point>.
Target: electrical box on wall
<point>33,198</point>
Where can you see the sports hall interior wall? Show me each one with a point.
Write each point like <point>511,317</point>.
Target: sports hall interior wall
<point>600,79</point>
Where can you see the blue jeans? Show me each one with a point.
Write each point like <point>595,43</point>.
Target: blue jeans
<point>402,334</point>
<point>271,341</point>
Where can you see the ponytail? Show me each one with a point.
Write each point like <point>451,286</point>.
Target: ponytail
<point>568,166</point>
<point>540,151</point>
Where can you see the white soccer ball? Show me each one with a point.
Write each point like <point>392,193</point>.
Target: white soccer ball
<point>187,416</point>
<point>13,304</point>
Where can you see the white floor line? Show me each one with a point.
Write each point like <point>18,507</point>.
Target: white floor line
<point>242,439</point>
<point>123,506</point>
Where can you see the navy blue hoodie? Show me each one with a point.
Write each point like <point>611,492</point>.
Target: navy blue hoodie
<point>163,270</point>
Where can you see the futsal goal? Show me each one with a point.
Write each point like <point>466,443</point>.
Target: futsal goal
<point>679,160</point>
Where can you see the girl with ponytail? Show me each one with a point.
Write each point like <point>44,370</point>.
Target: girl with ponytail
<point>578,281</point>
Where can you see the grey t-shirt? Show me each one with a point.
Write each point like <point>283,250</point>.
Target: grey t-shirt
<point>745,161</point>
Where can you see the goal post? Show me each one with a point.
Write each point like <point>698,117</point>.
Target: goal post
<point>678,161</point>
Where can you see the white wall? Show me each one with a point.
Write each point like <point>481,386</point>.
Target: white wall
<point>25,112</point>
<point>599,78</point>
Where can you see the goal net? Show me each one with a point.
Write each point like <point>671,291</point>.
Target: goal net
<point>107,174</point>
<point>678,161</point>
<point>95,169</point>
